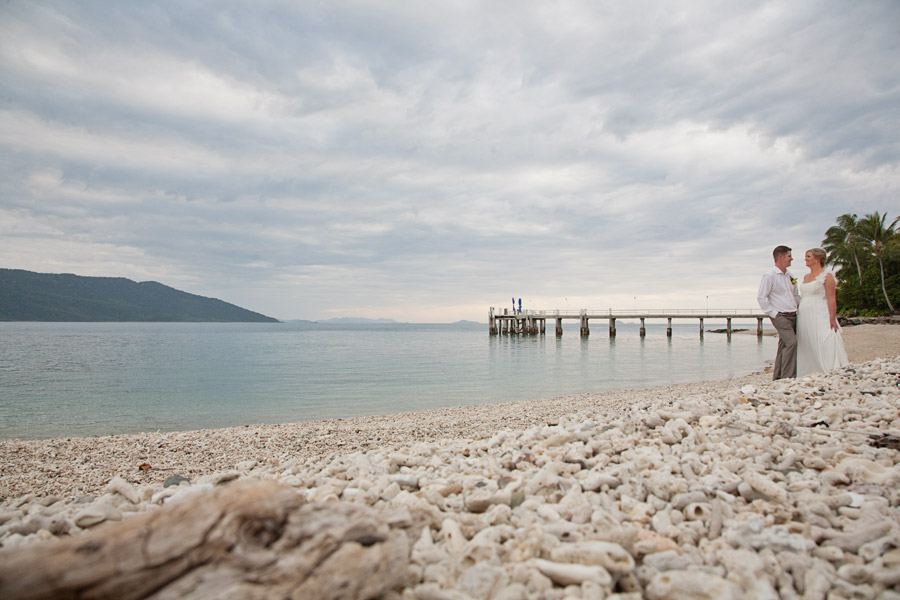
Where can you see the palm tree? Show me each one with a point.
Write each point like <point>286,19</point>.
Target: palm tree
<point>843,244</point>
<point>873,231</point>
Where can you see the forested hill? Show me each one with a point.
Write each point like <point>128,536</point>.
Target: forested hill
<point>28,296</point>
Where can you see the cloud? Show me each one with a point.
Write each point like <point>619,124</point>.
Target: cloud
<point>423,163</point>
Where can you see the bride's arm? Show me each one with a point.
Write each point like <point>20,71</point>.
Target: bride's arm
<point>831,298</point>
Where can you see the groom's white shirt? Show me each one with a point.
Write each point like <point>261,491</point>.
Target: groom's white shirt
<point>777,293</point>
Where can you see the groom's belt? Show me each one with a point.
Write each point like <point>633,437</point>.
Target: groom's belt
<point>789,314</point>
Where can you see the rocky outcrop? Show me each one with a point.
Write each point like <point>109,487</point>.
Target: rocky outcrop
<point>851,321</point>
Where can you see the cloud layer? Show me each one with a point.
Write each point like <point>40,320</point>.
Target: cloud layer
<point>424,162</point>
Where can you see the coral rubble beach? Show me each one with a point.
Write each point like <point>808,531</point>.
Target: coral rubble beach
<point>740,488</point>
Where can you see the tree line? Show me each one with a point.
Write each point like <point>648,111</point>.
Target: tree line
<point>866,252</point>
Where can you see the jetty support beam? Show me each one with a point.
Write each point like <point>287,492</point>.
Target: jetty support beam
<point>759,331</point>
<point>701,328</point>
<point>585,329</point>
<point>612,327</point>
<point>643,329</point>
<point>558,326</point>
<point>669,328</point>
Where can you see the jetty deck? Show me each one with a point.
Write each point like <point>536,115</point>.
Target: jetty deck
<point>534,322</point>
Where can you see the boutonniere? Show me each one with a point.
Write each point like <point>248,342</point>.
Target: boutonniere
<point>793,281</point>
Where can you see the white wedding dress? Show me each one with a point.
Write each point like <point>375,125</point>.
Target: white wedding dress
<point>819,347</point>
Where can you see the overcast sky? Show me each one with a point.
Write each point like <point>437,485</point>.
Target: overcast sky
<point>424,161</point>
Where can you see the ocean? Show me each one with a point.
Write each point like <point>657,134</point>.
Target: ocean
<point>87,379</point>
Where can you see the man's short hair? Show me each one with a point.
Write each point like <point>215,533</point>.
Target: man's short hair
<point>780,251</point>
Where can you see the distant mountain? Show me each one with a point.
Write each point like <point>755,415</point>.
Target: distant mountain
<point>356,320</point>
<point>29,296</point>
<point>364,321</point>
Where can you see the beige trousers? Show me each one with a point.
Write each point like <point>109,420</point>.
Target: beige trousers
<point>786,356</point>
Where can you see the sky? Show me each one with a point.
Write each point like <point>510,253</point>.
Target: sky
<point>424,161</point>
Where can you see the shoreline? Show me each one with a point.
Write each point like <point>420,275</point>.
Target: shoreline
<point>82,466</point>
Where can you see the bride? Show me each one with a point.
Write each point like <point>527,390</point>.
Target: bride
<point>819,343</point>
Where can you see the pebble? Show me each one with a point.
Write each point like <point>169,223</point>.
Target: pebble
<point>174,480</point>
<point>119,486</point>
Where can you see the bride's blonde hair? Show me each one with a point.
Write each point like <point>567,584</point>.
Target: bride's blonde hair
<point>819,255</point>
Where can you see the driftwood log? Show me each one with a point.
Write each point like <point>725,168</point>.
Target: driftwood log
<point>247,539</point>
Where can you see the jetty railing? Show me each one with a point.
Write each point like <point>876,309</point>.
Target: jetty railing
<point>533,322</point>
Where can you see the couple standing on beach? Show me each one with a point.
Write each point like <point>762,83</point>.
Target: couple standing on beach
<point>804,314</point>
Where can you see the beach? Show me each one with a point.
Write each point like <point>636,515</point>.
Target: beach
<point>67,467</point>
<point>694,477</point>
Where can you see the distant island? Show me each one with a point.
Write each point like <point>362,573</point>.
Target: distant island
<point>29,296</point>
<point>365,321</point>
<point>356,320</point>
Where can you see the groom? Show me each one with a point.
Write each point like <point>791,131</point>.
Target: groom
<point>779,298</point>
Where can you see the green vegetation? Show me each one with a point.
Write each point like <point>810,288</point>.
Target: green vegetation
<point>867,252</point>
<point>28,296</point>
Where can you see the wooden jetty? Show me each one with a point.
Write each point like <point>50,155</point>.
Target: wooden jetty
<point>534,322</point>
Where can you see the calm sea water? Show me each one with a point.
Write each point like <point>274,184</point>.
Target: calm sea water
<point>81,379</point>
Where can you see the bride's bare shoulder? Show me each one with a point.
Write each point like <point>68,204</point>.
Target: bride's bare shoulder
<point>809,278</point>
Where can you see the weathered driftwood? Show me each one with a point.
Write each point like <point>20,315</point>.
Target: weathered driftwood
<point>247,539</point>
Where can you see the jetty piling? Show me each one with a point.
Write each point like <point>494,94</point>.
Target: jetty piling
<point>534,322</point>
